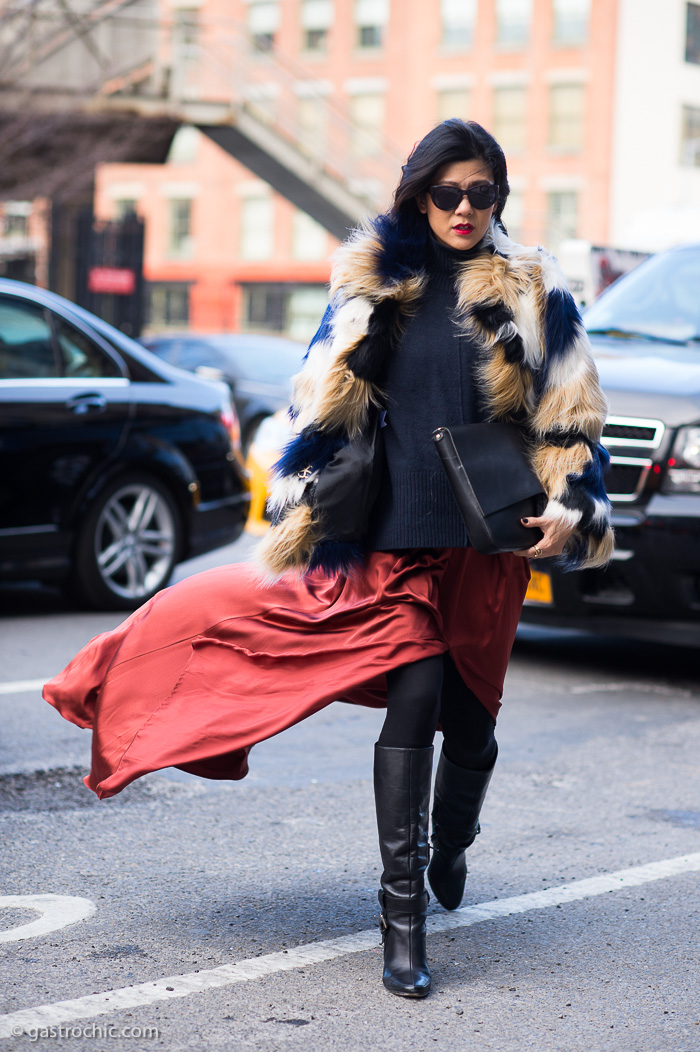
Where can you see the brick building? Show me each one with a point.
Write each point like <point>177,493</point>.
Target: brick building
<point>570,88</point>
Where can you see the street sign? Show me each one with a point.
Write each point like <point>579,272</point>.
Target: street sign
<point>119,281</point>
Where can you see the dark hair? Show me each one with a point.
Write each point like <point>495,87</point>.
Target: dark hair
<point>453,140</point>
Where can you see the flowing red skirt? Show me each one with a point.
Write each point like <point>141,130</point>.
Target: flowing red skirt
<point>220,661</point>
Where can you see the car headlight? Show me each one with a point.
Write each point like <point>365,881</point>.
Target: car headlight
<point>683,469</point>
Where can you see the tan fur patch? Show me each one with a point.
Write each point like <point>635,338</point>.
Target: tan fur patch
<point>505,385</point>
<point>342,402</point>
<point>355,271</point>
<point>599,551</point>
<point>488,280</point>
<point>580,405</point>
<point>553,463</point>
<point>288,545</point>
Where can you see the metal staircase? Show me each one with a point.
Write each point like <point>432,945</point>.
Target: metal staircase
<point>138,64</point>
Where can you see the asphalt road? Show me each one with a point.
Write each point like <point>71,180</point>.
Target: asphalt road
<point>242,915</point>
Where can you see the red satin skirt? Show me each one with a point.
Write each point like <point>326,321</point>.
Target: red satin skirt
<point>220,661</point>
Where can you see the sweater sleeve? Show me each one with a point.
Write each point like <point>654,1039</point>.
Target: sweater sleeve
<point>567,423</point>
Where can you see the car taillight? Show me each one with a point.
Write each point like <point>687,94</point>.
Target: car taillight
<point>229,418</point>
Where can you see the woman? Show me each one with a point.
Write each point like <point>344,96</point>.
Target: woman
<point>437,317</point>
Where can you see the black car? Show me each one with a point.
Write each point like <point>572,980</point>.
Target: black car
<point>115,466</point>
<point>258,369</point>
<point>645,332</point>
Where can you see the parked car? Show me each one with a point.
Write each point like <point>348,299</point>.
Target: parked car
<point>116,465</point>
<point>645,332</point>
<point>258,369</point>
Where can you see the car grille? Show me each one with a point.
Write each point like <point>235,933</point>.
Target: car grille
<point>630,442</point>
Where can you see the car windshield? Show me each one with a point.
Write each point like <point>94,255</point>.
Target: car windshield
<point>658,300</point>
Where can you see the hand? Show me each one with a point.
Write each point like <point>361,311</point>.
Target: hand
<point>556,534</point>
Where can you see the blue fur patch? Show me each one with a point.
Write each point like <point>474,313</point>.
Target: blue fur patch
<point>562,324</point>
<point>583,490</point>
<point>312,448</point>
<point>403,240</point>
<point>590,484</point>
<point>333,558</point>
<point>325,329</point>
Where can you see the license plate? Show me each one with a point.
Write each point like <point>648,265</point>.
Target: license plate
<point>539,589</point>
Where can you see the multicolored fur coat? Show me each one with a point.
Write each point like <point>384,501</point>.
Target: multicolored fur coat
<point>535,368</point>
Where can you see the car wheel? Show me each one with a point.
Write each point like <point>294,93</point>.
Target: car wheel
<point>128,544</point>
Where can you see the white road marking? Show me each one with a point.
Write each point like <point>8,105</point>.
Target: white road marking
<point>57,911</point>
<point>23,686</point>
<point>314,953</point>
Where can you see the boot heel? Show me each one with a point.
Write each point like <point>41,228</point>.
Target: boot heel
<point>402,924</point>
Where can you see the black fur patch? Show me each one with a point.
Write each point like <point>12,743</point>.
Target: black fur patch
<point>514,351</point>
<point>491,315</point>
<point>383,331</point>
<point>565,439</point>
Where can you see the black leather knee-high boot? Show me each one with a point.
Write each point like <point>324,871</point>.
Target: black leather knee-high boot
<point>402,794</point>
<point>459,797</point>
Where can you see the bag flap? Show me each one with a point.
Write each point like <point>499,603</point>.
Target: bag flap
<point>494,458</point>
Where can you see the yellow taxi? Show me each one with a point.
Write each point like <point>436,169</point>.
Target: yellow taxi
<point>269,439</point>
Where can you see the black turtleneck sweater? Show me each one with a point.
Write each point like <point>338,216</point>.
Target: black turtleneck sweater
<point>428,383</point>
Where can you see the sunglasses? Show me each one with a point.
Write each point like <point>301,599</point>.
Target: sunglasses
<point>447,198</point>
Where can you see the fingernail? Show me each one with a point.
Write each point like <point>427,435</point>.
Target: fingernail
<point>525,521</point>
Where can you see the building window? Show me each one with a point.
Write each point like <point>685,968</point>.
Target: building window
<point>566,113</point>
<point>570,21</point>
<point>692,34</point>
<point>458,22</point>
<point>168,304</point>
<point>186,51</point>
<point>510,117</point>
<point>316,21</point>
<point>562,217</point>
<point>513,18</point>
<point>263,23</point>
<point>180,241</point>
<point>185,145</point>
<point>514,215</point>
<point>124,206</point>
<point>453,102</point>
<point>690,137</point>
<point>305,309</point>
<point>312,116</point>
<point>367,115</point>
<point>294,310</point>
<point>16,218</point>
<point>371,18</point>
<point>309,238</point>
<point>257,231</point>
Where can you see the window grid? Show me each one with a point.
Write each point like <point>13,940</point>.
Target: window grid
<point>692,34</point>
<point>566,117</point>
<point>690,137</point>
<point>570,21</point>
<point>180,226</point>
<point>510,117</point>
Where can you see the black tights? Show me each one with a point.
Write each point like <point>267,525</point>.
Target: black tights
<point>426,692</point>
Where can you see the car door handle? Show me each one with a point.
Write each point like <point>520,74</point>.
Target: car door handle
<point>87,403</point>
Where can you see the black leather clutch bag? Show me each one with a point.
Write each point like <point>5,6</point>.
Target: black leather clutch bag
<point>493,484</point>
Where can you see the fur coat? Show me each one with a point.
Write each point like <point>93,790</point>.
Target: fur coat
<point>534,368</point>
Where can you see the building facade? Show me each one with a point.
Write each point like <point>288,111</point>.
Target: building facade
<point>570,88</point>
